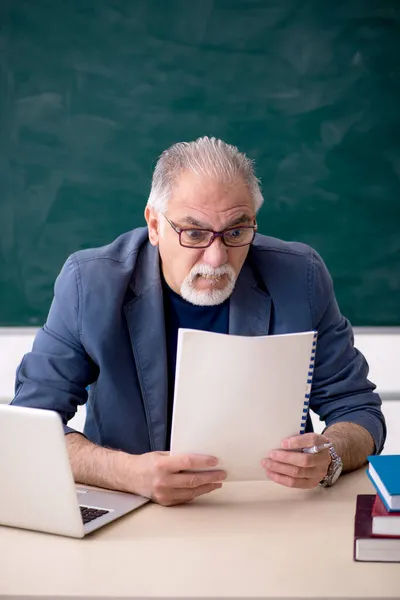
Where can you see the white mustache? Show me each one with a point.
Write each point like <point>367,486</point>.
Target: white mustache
<point>213,296</point>
<point>216,272</point>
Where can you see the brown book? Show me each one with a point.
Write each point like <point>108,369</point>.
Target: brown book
<point>368,547</point>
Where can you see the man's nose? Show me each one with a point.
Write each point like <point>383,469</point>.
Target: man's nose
<point>216,255</point>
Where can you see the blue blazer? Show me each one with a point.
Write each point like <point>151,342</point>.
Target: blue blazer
<point>105,329</point>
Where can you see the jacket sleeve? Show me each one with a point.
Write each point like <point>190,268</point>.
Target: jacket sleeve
<point>341,390</point>
<point>56,373</point>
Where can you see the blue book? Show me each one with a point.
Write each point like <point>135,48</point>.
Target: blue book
<point>384,472</point>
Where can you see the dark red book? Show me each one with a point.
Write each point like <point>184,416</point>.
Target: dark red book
<point>368,547</point>
<point>383,521</point>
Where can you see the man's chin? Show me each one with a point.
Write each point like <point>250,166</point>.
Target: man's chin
<point>206,297</point>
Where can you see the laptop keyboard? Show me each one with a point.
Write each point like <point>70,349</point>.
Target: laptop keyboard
<point>89,514</point>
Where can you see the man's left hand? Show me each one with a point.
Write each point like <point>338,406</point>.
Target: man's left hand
<point>294,468</point>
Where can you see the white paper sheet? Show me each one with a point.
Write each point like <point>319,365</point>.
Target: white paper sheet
<point>237,397</point>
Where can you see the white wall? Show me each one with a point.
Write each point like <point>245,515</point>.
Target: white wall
<point>380,346</point>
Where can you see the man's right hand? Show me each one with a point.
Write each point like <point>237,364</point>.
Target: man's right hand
<point>155,475</point>
<point>164,478</point>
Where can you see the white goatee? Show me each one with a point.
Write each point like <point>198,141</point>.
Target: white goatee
<point>208,297</point>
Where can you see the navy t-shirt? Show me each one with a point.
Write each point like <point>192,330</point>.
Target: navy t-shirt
<point>179,313</point>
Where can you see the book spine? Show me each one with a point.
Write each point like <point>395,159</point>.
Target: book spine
<point>307,395</point>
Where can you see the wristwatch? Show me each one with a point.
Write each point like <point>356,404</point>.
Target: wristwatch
<point>334,469</point>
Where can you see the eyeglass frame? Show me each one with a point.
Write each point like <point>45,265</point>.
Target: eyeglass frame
<point>215,234</point>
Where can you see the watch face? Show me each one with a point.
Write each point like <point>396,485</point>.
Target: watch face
<point>334,470</point>
<point>337,469</point>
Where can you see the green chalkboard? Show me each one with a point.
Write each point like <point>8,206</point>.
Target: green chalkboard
<point>91,92</point>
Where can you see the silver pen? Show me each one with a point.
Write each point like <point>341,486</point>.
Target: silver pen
<point>316,449</point>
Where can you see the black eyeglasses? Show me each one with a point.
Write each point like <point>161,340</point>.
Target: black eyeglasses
<point>233,237</point>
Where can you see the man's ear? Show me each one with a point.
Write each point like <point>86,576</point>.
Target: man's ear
<point>153,225</point>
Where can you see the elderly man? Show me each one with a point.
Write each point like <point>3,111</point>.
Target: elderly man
<point>115,316</point>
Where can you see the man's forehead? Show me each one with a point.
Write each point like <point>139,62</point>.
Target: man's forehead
<point>203,199</point>
<point>202,221</point>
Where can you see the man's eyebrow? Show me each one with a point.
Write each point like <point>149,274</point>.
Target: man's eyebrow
<point>194,222</point>
<point>238,221</point>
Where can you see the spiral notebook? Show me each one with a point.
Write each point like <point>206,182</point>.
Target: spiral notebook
<point>237,397</point>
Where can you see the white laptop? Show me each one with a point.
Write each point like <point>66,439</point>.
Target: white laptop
<point>37,489</point>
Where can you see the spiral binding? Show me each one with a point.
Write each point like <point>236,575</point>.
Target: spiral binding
<point>309,382</point>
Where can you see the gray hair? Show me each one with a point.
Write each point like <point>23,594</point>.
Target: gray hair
<point>206,156</point>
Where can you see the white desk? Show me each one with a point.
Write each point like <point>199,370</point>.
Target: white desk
<point>245,540</point>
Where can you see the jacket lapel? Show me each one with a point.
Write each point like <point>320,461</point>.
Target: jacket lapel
<point>145,318</point>
<point>250,306</point>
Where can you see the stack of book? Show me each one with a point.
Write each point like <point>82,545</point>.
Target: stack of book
<point>377,519</point>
